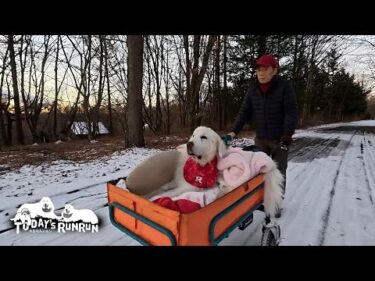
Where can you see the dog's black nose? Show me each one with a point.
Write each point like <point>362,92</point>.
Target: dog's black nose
<point>189,145</point>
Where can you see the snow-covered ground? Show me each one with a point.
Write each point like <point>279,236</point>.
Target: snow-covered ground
<point>329,199</point>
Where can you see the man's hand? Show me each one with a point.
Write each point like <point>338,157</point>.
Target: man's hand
<point>226,139</point>
<point>286,139</point>
<point>232,134</point>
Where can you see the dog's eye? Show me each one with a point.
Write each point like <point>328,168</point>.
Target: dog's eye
<point>203,137</point>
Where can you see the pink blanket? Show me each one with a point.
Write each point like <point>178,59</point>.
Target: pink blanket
<point>239,166</point>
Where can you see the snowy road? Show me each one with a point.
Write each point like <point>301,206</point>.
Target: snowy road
<point>329,200</point>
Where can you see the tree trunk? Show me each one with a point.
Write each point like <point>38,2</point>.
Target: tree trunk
<point>295,58</point>
<point>96,109</point>
<point>54,129</point>
<point>188,78</point>
<point>72,114</point>
<point>181,108</point>
<point>9,127</point>
<point>307,97</point>
<point>23,51</point>
<point>39,106</point>
<point>134,134</point>
<point>17,108</point>
<point>148,110</point>
<point>217,83</point>
<point>108,88</point>
<point>86,98</point>
<point>168,121</point>
<point>8,118</point>
<point>197,78</point>
<point>225,90</point>
<point>3,136</point>
<point>262,44</point>
<point>156,63</point>
<point>194,94</point>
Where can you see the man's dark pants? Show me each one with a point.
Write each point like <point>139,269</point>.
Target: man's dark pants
<point>273,149</point>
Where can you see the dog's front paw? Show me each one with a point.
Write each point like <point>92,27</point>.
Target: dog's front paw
<point>224,189</point>
<point>168,186</point>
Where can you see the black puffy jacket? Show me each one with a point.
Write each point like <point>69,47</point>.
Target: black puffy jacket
<point>273,113</point>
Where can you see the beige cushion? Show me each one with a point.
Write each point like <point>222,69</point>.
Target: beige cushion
<point>153,172</point>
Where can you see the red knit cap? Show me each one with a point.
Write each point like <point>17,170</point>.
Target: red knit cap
<point>267,60</point>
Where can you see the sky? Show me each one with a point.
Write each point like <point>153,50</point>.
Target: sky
<point>329,199</point>
<point>358,57</point>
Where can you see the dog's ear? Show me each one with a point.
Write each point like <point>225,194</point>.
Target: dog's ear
<point>221,148</point>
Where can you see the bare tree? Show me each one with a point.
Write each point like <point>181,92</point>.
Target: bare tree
<point>74,107</point>
<point>89,74</point>
<point>95,110</point>
<point>3,107</point>
<point>134,134</point>
<point>194,80</point>
<point>316,52</point>
<point>87,83</point>
<point>225,93</point>
<point>166,78</point>
<point>34,104</point>
<point>217,89</point>
<point>178,81</point>
<point>117,67</point>
<point>54,129</point>
<point>371,107</point>
<point>17,108</point>
<point>7,111</point>
<point>155,50</point>
<point>108,86</point>
<point>148,109</point>
<point>57,87</point>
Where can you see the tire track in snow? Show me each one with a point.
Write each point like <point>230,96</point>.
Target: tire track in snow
<point>368,153</point>
<point>296,149</point>
<point>319,149</point>
<point>331,195</point>
<point>304,178</point>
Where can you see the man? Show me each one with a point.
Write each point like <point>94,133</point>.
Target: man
<point>271,105</point>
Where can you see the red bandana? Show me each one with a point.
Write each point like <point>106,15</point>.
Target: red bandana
<point>201,176</point>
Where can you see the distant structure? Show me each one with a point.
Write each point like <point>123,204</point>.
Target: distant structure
<point>80,129</point>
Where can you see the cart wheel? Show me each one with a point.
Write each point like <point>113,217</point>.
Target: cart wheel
<point>246,222</point>
<point>269,236</point>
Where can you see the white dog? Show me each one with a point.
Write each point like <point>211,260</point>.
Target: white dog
<point>44,209</point>
<point>203,147</point>
<point>70,214</point>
